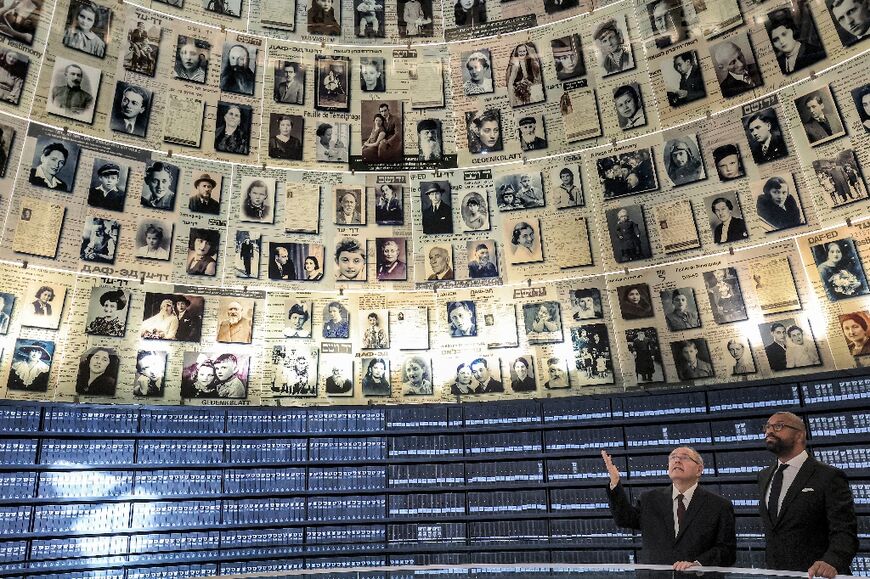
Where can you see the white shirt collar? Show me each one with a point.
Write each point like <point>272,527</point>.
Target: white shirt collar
<point>797,462</point>
<point>687,495</point>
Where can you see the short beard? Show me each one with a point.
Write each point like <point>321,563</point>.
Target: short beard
<point>778,447</point>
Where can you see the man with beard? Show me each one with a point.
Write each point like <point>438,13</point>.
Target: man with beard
<point>428,141</point>
<point>130,115</point>
<point>236,328</point>
<point>529,141</point>
<point>202,201</point>
<point>71,97</point>
<point>683,524</point>
<point>237,76</point>
<point>481,266</point>
<point>189,322</point>
<point>228,383</point>
<point>806,506</point>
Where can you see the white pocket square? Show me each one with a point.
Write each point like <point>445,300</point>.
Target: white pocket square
<point>808,490</point>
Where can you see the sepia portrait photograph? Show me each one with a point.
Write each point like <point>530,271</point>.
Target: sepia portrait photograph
<point>627,173</point>
<point>568,57</point>
<point>295,370</point>
<point>238,67</point>
<point>439,262</point>
<point>683,160</point>
<point>99,240</point>
<point>324,17</point>
<point>729,162</point>
<point>235,318</point>
<point>568,186</point>
<point>643,346</point>
<point>375,325</point>
<point>613,46</point>
<point>586,304</point>
<point>841,179</point>
<point>429,140</point>
<point>523,240</point>
<point>789,344</point>
<point>7,304</point>
<point>47,306</point>
<point>131,109</point>
<point>160,185</point>
<point>54,163</point>
<point>794,37</point>
<point>861,96</point>
<point>214,375</point>
<point>233,128</point>
<point>851,19</point>
<point>462,318</point>
<point>258,199</point>
<point>680,308</point>
<point>369,19</point>
<point>840,269</point>
<point>435,199</point>
<point>191,59</point>
<point>543,322</point>
<point>350,259</point>
<point>150,378</point>
<point>336,321</point>
<point>741,360</point>
<point>372,74</point>
<point>854,326</point>
<point>299,318</point>
<point>350,208</point>
<point>20,19</point>
<point>683,79</point>
<point>524,76</point>
<point>203,247</point>
<point>247,251</point>
<point>415,18</point>
<point>484,131</point>
<point>205,193</point>
<point>73,90</point>
<point>737,70</point>
<point>333,141</point>
<point>592,354</point>
<point>175,317</point>
<point>628,103</point>
<point>392,258</point>
<point>475,212</point>
<point>519,191</point>
<point>482,259</point>
<point>726,218</point>
<point>382,121</point>
<point>285,136</point>
<point>107,311</point>
<point>142,48</point>
<point>154,239</point>
<point>31,365</point>
<point>389,200</point>
<point>477,72</point>
<point>87,27</point>
<point>765,136</point>
<point>225,7</point>
<point>336,371</point>
<point>532,133</point>
<point>98,372</point>
<point>635,301</point>
<point>332,82</point>
<point>375,376</point>
<point>667,22</point>
<point>13,73</point>
<point>692,359</point>
<point>777,202</point>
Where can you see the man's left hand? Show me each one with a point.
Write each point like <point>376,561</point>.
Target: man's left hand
<point>821,569</point>
<point>685,565</point>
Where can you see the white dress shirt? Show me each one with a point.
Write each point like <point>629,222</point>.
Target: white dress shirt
<point>788,476</point>
<point>687,498</point>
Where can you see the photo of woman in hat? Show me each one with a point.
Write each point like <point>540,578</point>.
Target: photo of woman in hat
<point>107,314</point>
<point>31,365</point>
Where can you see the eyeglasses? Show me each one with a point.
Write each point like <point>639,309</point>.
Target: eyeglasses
<point>682,458</point>
<point>778,427</point>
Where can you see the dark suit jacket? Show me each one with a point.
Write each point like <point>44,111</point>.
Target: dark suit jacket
<point>140,125</point>
<point>440,221</point>
<point>807,54</point>
<point>813,525</point>
<point>776,358</point>
<point>776,149</point>
<point>732,87</point>
<point>114,201</point>
<point>277,272</point>
<point>708,534</point>
<point>736,231</point>
<point>816,131</point>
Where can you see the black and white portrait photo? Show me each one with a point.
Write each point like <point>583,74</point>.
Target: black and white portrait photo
<point>107,311</point>
<point>789,344</point>
<point>628,233</point>
<point>154,239</point>
<point>683,160</point>
<point>238,68</point>
<point>841,178</point>
<point>439,262</point>
<point>435,206</point>
<point>247,250</point>
<point>233,128</point>
<point>851,18</point>
<point>854,326</point>
<point>477,72</point>
<point>350,259</point>
<point>667,21</point>
<point>522,374</point>
<point>285,136</point>
<point>765,136</point>
<point>860,95</point>
<point>628,102</point>
<point>794,37</point>
<point>99,239</point>
<point>475,212</point>
<point>635,301</point>
<point>205,193</point>
<point>31,365</point>
<point>627,173</point>
<point>324,17</point>
<point>350,206</point>
<point>482,259</point>
<point>725,296</point>
<point>613,46</point>
<point>258,199</point>
<point>203,246</point>
<point>532,133</point>
<point>289,86</point>
<point>295,370</point>
<point>161,181</point>
<point>567,184</point>
<point>191,59</point>
<point>737,69</point>
<point>389,203</point>
<point>777,202</point>
<point>47,305</point>
<point>87,27</point>
<point>372,74</point>
<point>519,191</point>
<point>726,218</point>
<point>469,12</point>
<point>592,354</point>
<point>680,308</point>
<point>98,372</point>
<point>172,317</point>
<point>586,304</point>
<point>819,116</point>
<point>333,140</point>
<point>543,322</point>
<point>332,83</point>
<point>523,240</point>
<point>226,7</point>
<point>7,304</point>
<point>73,90</point>
<point>392,259</point>
<point>336,372</point>
<point>150,373</point>
<point>683,79</point>
<point>475,377</point>
<point>382,122</point>
<point>20,19</point>
<point>214,375</point>
<point>415,18</point>
<point>13,73</point>
<point>375,329</point>
<point>429,142</point>
<point>143,47</point>
<point>840,269</point>
<point>692,359</point>
<point>524,75</point>
<point>729,162</point>
<point>462,318</point>
<point>483,130</point>
<point>336,321</point>
<point>568,57</point>
<point>54,163</point>
<point>643,346</point>
<point>299,320</point>
<point>131,109</point>
<point>369,19</point>
<point>741,361</point>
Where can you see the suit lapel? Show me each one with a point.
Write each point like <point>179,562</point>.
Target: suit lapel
<point>764,482</point>
<point>695,506</point>
<point>802,477</point>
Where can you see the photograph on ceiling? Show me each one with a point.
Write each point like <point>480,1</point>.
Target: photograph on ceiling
<point>841,178</point>
<point>861,96</point>
<point>568,186</point>
<point>289,82</point>
<point>522,374</point>
<point>774,285</point>
<point>674,224</point>
<point>107,311</point>
<point>369,19</point>
<point>729,162</point>
<point>150,374</point>
<point>532,133</point>
<point>203,246</point>
<point>332,82</point>
<point>191,59</point>
<point>475,212</point>
<point>475,377</point>
<point>483,131</point>
<point>205,193</point>
<point>20,20</point>
<point>376,329</point>
<point>668,22</point>
<point>586,304</point>
<point>854,326</point>
<point>295,370</point>
<point>840,269</point>
<point>324,17</point>
<point>415,18</point>
<point>742,360</point>
<point>238,67</point>
<point>350,206</point>
<point>737,69</point>
<point>592,354</point>
<point>7,137</point>
<point>31,365</point>
<point>778,203</point>
<point>175,3</point>
<point>435,206</point>
<point>628,103</point>
<point>246,251</point>
<point>568,57</point>
<point>524,241</point>
<point>350,259</point>
<point>477,71</point>
<point>54,163</point>
<point>627,173</point>
<point>142,48</point>
<point>235,318</point>
<point>543,322</point>
<point>99,239</point>
<point>520,191</point>
<point>299,319</point>
<point>416,376</point>
<point>789,345</point>
<point>372,74</point>
<point>462,318</point>
<point>214,375</point>
<point>175,317</point>
<point>159,186</point>
<point>684,162</point>
<point>389,203</point>
<point>556,369</point>
<point>225,7</point>
<point>333,141</point>
<point>98,372</point>
<point>336,370</point>
<point>87,27</point>
<point>294,193</point>
<point>233,128</point>
<point>131,109</point>
<point>635,301</point>
<point>581,119</point>
<point>382,121</point>
<point>429,140</point>
<point>258,203</point>
<point>523,77</point>
<point>680,308</point>
<point>336,321</point>
<point>46,309</point>
<point>628,234</point>
<point>392,258</point>
<point>7,304</point>
<point>765,136</point>
<point>643,346</point>
<point>725,296</point>
<point>439,262</point>
<point>692,359</point>
<point>375,376</point>
<point>794,37</point>
<point>154,239</point>
<point>295,261</point>
<point>683,80</point>
<point>613,46</point>
<point>482,259</point>
<point>13,73</point>
<point>108,186</point>
<point>726,218</point>
<point>851,19</point>
<point>820,116</point>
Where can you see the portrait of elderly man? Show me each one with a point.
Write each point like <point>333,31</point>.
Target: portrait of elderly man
<point>202,200</point>
<point>235,327</point>
<point>159,189</point>
<point>52,159</point>
<point>737,73</point>
<point>481,264</point>
<point>531,138</point>
<point>131,109</point>
<point>478,73</point>
<point>852,19</point>
<point>239,66</point>
<point>439,264</point>
<point>429,140</point>
<point>71,92</point>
